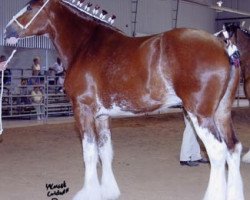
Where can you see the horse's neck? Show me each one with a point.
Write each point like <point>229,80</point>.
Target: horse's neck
<point>70,33</point>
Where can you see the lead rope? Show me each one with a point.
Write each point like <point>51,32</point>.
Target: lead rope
<point>1,94</point>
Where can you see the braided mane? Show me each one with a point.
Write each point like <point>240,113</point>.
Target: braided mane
<point>94,14</point>
<point>245,31</point>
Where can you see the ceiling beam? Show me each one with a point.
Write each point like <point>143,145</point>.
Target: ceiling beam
<point>226,9</point>
<point>231,18</point>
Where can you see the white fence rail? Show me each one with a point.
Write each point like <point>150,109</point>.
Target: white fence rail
<point>18,101</point>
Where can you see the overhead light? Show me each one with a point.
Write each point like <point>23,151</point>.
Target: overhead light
<point>219,3</point>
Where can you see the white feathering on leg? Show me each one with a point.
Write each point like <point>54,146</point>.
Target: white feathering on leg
<point>217,152</point>
<point>109,186</point>
<point>91,189</point>
<point>234,185</point>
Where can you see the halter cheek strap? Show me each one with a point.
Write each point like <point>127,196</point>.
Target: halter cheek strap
<point>32,19</point>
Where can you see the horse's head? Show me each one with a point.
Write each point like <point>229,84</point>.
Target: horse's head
<point>231,28</point>
<point>229,32</point>
<point>29,21</point>
<point>238,34</point>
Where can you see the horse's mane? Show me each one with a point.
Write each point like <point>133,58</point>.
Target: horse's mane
<point>86,15</point>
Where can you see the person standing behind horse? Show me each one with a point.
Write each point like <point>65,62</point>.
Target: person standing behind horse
<point>7,72</point>
<point>2,62</point>
<point>36,67</point>
<point>36,70</point>
<point>37,98</point>
<point>57,67</point>
<point>190,154</point>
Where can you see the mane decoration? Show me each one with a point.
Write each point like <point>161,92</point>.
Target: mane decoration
<point>245,31</point>
<point>95,13</point>
<point>236,25</point>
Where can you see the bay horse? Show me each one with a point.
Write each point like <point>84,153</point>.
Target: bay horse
<point>241,38</point>
<point>110,74</point>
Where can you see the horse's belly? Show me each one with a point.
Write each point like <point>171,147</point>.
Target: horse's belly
<point>149,106</point>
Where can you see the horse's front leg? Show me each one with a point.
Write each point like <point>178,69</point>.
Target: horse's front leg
<point>91,189</point>
<point>109,187</point>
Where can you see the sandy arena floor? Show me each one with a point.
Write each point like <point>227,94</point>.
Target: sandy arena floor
<point>146,160</point>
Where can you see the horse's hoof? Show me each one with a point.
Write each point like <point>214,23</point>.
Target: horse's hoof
<point>109,188</point>
<point>109,193</point>
<point>246,157</point>
<point>88,194</point>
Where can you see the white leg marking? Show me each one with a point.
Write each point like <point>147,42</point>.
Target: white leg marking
<point>246,157</point>
<point>216,150</point>
<point>109,187</point>
<point>91,189</point>
<point>234,185</point>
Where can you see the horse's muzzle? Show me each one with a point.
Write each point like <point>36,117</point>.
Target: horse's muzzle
<point>11,35</point>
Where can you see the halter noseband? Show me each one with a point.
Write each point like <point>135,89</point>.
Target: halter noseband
<point>32,19</point>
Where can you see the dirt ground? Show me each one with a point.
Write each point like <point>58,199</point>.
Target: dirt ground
<point>146,161</point>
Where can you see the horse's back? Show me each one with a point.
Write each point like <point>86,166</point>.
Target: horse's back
<point>195,44</point>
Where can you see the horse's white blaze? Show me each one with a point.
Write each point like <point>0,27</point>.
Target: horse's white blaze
<point>234,185</point>
<point>19,14</point>
<point>91,189</point>
<point>217,152</point>
<point>246,157</point>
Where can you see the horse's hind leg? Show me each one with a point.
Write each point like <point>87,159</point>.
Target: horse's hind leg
<point>109,187</point>
<point>224,123</point>
<point>234,148</point>
<point>217,153</point>
<point>234,185</point>
<point>91,189</point>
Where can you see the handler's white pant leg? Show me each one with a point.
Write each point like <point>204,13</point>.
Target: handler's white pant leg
<point>190,148</point>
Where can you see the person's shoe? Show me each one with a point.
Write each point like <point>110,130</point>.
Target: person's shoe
<point>203,161</point>
<point>189,163</point>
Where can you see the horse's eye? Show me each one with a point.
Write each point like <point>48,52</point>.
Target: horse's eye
<point>29,8</point>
